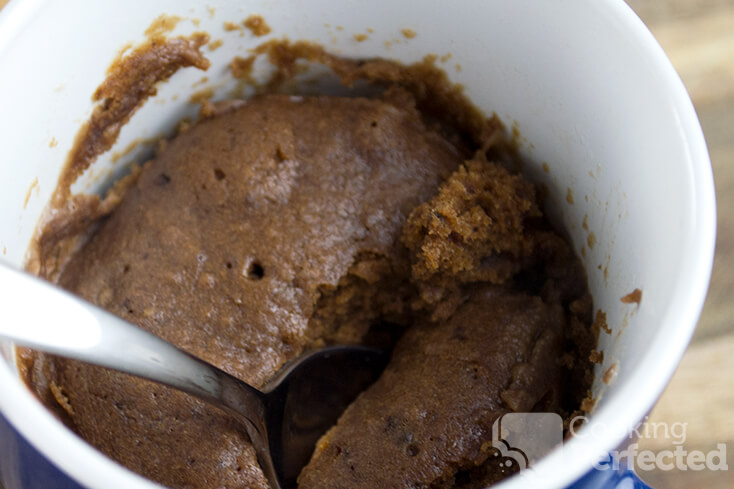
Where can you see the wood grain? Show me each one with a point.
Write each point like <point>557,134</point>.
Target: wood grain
<point>702,50</point>
<point>698,36</point>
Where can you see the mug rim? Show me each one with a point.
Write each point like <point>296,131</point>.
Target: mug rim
<point>636,397</point>
<point>633,399</point>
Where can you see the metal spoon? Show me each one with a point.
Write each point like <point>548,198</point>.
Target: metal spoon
<point>283,421</point>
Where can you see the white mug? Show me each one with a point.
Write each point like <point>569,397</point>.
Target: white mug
<point>598,105</point>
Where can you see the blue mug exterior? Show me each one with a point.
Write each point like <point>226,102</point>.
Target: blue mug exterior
<point>23,467</point>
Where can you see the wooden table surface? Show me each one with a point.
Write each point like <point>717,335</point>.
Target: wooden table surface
<point>698,36</point>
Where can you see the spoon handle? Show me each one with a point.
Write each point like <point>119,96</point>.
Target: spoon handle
<point>44,317</point>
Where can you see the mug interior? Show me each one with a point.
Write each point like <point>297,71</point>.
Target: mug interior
<point>606,125</point>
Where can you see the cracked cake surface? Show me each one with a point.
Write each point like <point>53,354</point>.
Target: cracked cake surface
<point>286,223</point>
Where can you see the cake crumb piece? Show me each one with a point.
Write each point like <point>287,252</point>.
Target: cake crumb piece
<point>257,25</point>
<point>634,297</point>
<point>476,218</point>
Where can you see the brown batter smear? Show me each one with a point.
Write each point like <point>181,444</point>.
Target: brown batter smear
<point>131,80</point>
<point>241,68</point>
<point>610,374</point>
<point>634,297</point>
<point>408,33</point>
<point>316,220</point>
<point>587,405</point>
<point>591,240</point>
<point>435,95</point>
<point>231,26</point>
<point>200,82</point>
<point>596,357</point>
<point>600,323</point>
<point>257,25</point>
<point>201,96</point>
<point>215,44</point>
<point>34,185</point>
<point>118,155</point>
<point>163,24</point>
